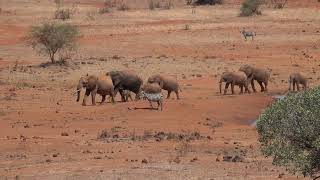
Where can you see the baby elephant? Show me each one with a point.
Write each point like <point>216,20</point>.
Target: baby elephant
<point>234,78</point>
<point>295,79</point>
<point>166,83</point>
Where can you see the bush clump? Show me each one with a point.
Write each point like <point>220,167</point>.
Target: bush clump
<point>52,38</point>
<point>208,2</point>
<point>63,14</point>
<point>250,7</point>
<point>289,131</point>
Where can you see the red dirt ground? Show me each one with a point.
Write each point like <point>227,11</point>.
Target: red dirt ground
<point>46,134</point>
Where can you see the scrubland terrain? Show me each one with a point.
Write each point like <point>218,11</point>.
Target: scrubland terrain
<point>46,134</point>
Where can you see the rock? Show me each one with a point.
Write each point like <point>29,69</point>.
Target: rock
<point>64,134</point>
<point>177,160</point>
<point>194,159</point>
<point>227,158</point>
<point>144,161</point>
<point>281,175</point>
<point>237,159</point>
<point>54,155</point>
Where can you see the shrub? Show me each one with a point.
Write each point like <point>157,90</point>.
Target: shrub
<point>62,14</point>
<point>153,5</point>
<point>207,2</point>
<point>250,7</point>
<point>123,7</point>
<point>168,5</point>
<point>104,10</point>
<point>289,130</point>
<point>51,38</point>
<point>278,4</point>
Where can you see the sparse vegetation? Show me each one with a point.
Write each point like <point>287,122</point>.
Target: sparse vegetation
<point>153,5</point>
<point>187,27</point>
<point>289,130</point>
<point>206,2</point>
<point>52,38</point>
<point>250,7</point>
<point>63,14</point>
<point>168,5</point>
<point>105,10</point>
<point>278,4</point>
<point>123,7</point>
<point>103,135</point>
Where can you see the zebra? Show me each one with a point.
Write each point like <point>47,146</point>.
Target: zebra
<point>155,97</point>
<point>247,34</point>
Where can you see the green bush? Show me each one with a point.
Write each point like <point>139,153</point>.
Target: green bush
<point>51,38</point>
<point>289,131</point>
<point>250,7</point>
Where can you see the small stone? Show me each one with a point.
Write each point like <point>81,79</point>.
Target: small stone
<point>144,161</point>
<point>64,134</point>
<point>177,160</point>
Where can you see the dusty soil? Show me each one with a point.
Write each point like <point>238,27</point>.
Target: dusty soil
<point>46,134</point>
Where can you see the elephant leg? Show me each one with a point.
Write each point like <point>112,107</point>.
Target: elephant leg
<point>122,95</point>
<point>226,88</point>
<point>294,86</point>
<point>298,87</point>
<point>86,95</point>
<point>232,88</point>
<point>161,104</point>
<point>112,96</point>
<point>177,94</point>
<point>103,98</point>
<point>289,85</point>
<point>265,86</point>
<point>169,92</point>
<point>252,85</point>
<point>241,89</point>
<point>151,104</point>
<point>130,97</point>
<point>93,97</point>
<point>261,86</point>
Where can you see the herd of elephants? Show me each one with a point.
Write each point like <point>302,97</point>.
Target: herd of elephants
<point>127,82</point>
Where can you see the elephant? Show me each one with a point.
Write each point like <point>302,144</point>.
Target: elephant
<point>295,79</point>
<point>95,84</point>
<point>125,80</point>
<point>166,83</point>
<point>260,75</point>
<point>151,88</point>
<point>234,78</point>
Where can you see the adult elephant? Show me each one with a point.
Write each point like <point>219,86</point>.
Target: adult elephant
<point>262,76</point>
<point>234,78</point>
<point>125,80</point>
<point>95,85</point>
<point>166,83</point>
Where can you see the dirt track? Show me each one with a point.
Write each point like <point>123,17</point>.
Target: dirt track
<point>46,134</point>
